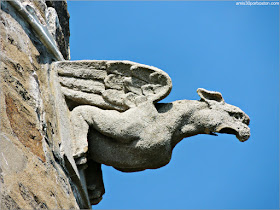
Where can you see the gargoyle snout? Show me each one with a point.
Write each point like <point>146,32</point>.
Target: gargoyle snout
<point>243,130</point>
<point>244,134</point>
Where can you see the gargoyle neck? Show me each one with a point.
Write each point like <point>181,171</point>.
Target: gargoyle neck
<point>180,121</point>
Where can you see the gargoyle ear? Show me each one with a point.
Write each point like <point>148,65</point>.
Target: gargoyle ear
<point>207,95</point>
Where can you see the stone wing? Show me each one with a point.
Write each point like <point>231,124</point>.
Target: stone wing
<point>117,85</point>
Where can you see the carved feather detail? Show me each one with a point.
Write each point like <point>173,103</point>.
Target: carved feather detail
<point>117,85</point>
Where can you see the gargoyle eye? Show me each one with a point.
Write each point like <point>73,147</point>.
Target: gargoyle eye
<point>236,115</point>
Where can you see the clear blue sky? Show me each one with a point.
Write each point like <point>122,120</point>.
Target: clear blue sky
<point>214,45</point>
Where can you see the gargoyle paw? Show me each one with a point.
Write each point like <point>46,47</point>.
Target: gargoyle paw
<point>80,152</point>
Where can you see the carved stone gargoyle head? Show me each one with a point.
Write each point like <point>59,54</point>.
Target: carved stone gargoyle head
<point>222,117</point>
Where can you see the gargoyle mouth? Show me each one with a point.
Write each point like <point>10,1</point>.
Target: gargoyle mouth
<point>228,131</point>
<point>241,135</point>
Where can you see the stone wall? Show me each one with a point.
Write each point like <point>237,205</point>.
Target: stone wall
<point>37,170</point>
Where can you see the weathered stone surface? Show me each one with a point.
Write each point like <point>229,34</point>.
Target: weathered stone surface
<point>29,183</point>
<point>37,170</point>
<point>57,11</point>
<point>23,127</point>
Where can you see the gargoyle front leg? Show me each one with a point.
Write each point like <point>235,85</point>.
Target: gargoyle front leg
<point>102,120</point>
<point>80,124</point>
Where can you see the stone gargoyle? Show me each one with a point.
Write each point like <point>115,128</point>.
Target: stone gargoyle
<point>118,122</point>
